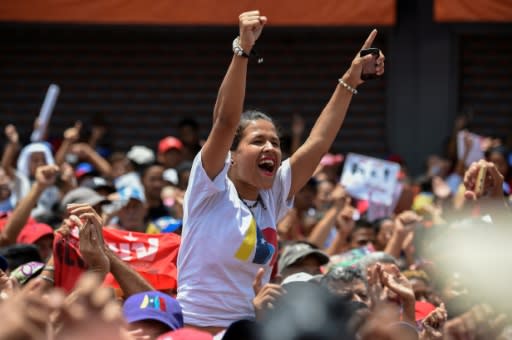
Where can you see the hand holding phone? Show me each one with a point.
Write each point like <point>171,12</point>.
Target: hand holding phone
<point>483,179</point>
<point>369,71</point>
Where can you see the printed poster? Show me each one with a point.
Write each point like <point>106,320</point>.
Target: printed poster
<point>369,178</point>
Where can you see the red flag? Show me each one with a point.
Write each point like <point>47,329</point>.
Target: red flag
<point>153,256</point>
<point>67,262</point>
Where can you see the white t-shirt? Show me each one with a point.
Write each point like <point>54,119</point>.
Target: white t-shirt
<point>222,245</point>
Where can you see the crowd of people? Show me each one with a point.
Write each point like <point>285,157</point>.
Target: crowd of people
<point>236,237</point>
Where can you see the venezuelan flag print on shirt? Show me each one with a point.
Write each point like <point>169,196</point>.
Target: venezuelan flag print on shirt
<point>263,243</point>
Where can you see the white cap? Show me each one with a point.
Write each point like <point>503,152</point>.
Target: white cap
<point>171,175</point>
<point>141,154</point>
<point>298,277</point>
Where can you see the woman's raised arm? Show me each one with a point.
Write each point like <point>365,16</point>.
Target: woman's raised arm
<point>305,160</point>
<point>230,99</point>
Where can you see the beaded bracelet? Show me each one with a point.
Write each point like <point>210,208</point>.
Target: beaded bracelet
<point>347,86</point>
<point>46,278</point>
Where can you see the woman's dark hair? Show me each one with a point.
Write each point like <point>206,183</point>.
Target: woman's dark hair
<point>245,119</point>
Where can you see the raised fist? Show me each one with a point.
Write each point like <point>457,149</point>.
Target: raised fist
<point>251,25</point>
<point>46,175</point>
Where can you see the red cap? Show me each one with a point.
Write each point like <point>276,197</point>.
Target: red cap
<point>83,169</point>
<point>330,160</point>
<point>33,232</point>
<point>186,334</point>
<point>4,217</point>
<point>169,143</point>
<point>362,206</point>
<point>396,158</point>
<point>423,309</point>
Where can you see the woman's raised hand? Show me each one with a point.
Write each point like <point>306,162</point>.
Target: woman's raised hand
<point>251,25</point>
<point>353,74</point>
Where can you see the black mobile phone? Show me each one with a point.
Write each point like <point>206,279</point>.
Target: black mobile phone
<point>369,69</point>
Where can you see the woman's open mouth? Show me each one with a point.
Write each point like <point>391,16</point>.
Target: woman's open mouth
<point>267,166</point>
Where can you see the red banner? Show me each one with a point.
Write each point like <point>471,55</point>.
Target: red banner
<point>152,256</point>
<point>202,12</point>
<point>473,11</point>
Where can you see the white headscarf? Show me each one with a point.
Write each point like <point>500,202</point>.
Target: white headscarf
<point>24,158</point>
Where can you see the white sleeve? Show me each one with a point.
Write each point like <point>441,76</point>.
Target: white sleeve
<point>200,186</point>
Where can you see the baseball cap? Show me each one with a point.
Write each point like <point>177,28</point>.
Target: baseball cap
<point>32,232</point>
<point>169,143</point>
<point>18,254</point>
<point>361,207</point>
<point>3,263</point>
<point>166,224</point>
<point>141,154</point>
<point>396,158</point>
<point>298,251</point>
<point>82,195</point>
<point>298,277</point>
<point>330,159</point>
<point>131,192</point>
<point>4,218</point>
<point>186,334</point>
<point>128,180</point>
<point>153,305</point>
<point>422,309</point>
<point>171,175</point>
<point>83,169</point>
<point>98,183</point>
